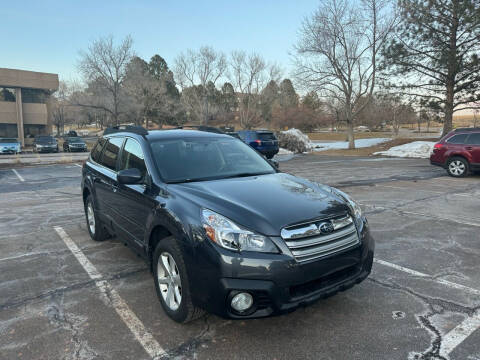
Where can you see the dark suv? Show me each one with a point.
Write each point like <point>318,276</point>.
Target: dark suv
<point>264,141</point>
<point>458,152</point>
<point>221,227</point>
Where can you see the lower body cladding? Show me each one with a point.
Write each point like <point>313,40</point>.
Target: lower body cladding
<point>267,284</point>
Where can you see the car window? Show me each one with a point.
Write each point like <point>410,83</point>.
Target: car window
<point>473,139</point>
<point>266,136</point>
<point>458,139</point>
<point>110,154</point>
<point>132,157</point>
<point>97,150</point>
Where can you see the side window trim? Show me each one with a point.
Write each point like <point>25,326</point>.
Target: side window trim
<point>115,171</point>
<point>472,135</point>
<point>466,136</point>
<point>101,152</point>
<point>143,153</point>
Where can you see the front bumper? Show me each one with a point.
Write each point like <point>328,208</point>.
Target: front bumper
<point>46,149</point>
<point>77,149</point>
<point>277,282</point>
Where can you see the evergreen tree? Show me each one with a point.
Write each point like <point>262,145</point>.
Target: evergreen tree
<point>436,53</point>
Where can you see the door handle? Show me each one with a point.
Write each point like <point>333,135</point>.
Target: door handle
<point>468,148</point>
<point>114,188</point>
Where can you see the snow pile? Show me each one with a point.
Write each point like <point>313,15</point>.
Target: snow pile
<point>283,151</point>
<point>359,143</point>
<point>416,149</point>
<point>294,140</point>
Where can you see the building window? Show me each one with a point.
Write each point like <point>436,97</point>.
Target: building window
<point>36,96</point>
<point>8,130</point>
<point>7,94</point>
<point>31,131</point>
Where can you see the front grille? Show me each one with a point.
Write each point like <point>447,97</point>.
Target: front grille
<point>307,241</point>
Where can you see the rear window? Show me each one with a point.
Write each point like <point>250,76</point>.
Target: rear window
<point>458,139</point>
<point>110,154</point>
<point>266,136</point>
<point>97,150</point>
<point>474,139</point>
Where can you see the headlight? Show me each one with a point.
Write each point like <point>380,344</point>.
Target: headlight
<point>229,235</point>
<point>356,209</point>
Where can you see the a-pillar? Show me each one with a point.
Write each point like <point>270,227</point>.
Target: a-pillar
<point>20,132</point>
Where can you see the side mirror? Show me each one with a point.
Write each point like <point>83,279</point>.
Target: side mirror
<point>129,176</point>
<point>274,163</point>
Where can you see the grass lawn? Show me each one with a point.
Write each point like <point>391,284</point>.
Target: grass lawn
<point>370,150</point>
<point>342,136</point>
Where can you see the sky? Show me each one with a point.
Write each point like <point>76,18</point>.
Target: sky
<point>48,35</point>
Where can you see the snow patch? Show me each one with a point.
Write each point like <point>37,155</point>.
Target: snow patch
<point>416,149</point>
<point>283,151</point>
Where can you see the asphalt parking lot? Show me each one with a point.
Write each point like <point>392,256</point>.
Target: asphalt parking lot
<point>63,296</point>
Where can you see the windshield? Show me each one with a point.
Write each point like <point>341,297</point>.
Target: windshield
<point>183,160</point>
<point>75,140</point>
<point>266,136</point>
<point>8,140</point>
<point>45,139</point>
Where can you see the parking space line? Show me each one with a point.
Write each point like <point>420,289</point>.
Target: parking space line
<point>458,221</point>
<point>458,334</point>
<point>420,274</point>
<point>18,175</point>
<point>145,338</point>
<point>462,331</point>
<point>80,166</point>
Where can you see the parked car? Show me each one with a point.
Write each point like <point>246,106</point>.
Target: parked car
<point>10,146</point>
<point>458,152</point>
<point>222,229</point>
<point>45,144</point>
<point>72,133</point>
<point>74,144</point>
<point>264,141</point>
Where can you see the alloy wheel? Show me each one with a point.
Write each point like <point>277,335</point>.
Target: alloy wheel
<point>91,217</point>
<point>457,167</point>
<point>169,281</point>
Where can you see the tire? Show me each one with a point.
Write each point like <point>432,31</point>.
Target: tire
<point>95,229</point>
<point>457,167</point>
<point>181,308</point>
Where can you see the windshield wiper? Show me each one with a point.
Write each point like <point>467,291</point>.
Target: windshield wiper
<point>245,174</point>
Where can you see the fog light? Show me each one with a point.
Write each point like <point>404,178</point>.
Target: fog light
<point>242,302</point>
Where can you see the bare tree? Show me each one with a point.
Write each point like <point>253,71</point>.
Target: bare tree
<point>249,74</point>
<point>106,64</point>
<point>338,51</point>
<point>59,103</point>
<point>200,68</point>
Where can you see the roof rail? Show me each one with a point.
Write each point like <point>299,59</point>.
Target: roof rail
<point>139,130</point>
<point>202,128</point>
<point>467,129</point>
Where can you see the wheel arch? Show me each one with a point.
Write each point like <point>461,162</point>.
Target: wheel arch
<point>453,156</point>
<point>157,234</point>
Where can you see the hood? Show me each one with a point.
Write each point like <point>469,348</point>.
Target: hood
<point>9,144</point>
<point>264,203</point>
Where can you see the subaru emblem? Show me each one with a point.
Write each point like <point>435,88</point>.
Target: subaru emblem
<point>326,227</point>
